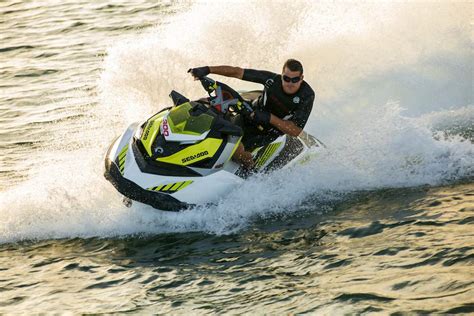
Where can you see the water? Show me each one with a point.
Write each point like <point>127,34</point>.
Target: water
<point>381,223</point>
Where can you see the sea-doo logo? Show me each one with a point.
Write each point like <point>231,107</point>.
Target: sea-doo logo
<point>198,155</point>
<point>146,134</point>
<point>147,131</point>
<point>166,129</point>
<point>296,100</point>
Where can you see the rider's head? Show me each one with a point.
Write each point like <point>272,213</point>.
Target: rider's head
<point>292,76</point>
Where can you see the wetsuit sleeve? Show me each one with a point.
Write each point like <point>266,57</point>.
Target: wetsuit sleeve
<point>301,115</point>
<point>258,76</point>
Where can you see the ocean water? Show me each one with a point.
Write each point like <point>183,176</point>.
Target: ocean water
<point>381,223</point>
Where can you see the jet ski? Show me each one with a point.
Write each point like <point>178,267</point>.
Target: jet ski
<point>182,155</point>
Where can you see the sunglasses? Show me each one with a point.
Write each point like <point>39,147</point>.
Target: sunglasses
<point>293,80</point>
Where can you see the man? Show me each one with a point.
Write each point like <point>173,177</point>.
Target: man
<point>283,108</point>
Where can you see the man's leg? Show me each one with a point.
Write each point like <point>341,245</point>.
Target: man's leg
<point>243,157</point>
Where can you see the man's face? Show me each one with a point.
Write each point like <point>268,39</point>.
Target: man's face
<point>287,80</point>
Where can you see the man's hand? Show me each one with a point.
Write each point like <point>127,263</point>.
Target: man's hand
<point>261,117</point>
<point>199,72</point>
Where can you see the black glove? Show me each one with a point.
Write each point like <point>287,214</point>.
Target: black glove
<point>261,117</point>
<point>200,71</point>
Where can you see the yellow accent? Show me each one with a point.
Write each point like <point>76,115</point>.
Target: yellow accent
<point>123,151</point>
<point>168,186</point>
<point>269,151</point>
<point>186,184</point>
<point>171,187</point>
<point>205,149</point>
<point>175,186</point>
<point>150,131</point>
<point>121,156</point>
<point>121,162</point>
<point>234,149</point>
<point>256,150</point>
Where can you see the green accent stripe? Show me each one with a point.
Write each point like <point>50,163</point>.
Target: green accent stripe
<point>167,187</point>
<point>255,150</point>
<point>186,184</point>
<point>269,151</point>
<point>171,187</point>
<point>234,149</point>
<point>263,157</point>
<point>121,162</point>
<point>176,186</point>
<point>124,150</point>
<point>180,185</point>
<point>122,155</point>
<point>157,188</point>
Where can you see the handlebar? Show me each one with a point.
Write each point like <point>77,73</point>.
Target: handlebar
<point>224,97</point>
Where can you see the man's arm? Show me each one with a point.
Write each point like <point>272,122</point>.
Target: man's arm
<point>227,71</point>
<point>287,127</point>
<point>300,117</point>
<point>292,127</point>
<point>252,75</point>
<point>266,118</point>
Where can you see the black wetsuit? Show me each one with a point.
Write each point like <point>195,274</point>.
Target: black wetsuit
<point>293,107</point>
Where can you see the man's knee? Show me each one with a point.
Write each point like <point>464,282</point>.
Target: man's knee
<point>239,151</point>
<point>242,156</point>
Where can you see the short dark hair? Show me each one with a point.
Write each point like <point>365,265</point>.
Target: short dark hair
<point>293,65</point>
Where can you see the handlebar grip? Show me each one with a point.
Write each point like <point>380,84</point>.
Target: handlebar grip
<point>208,84</point>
